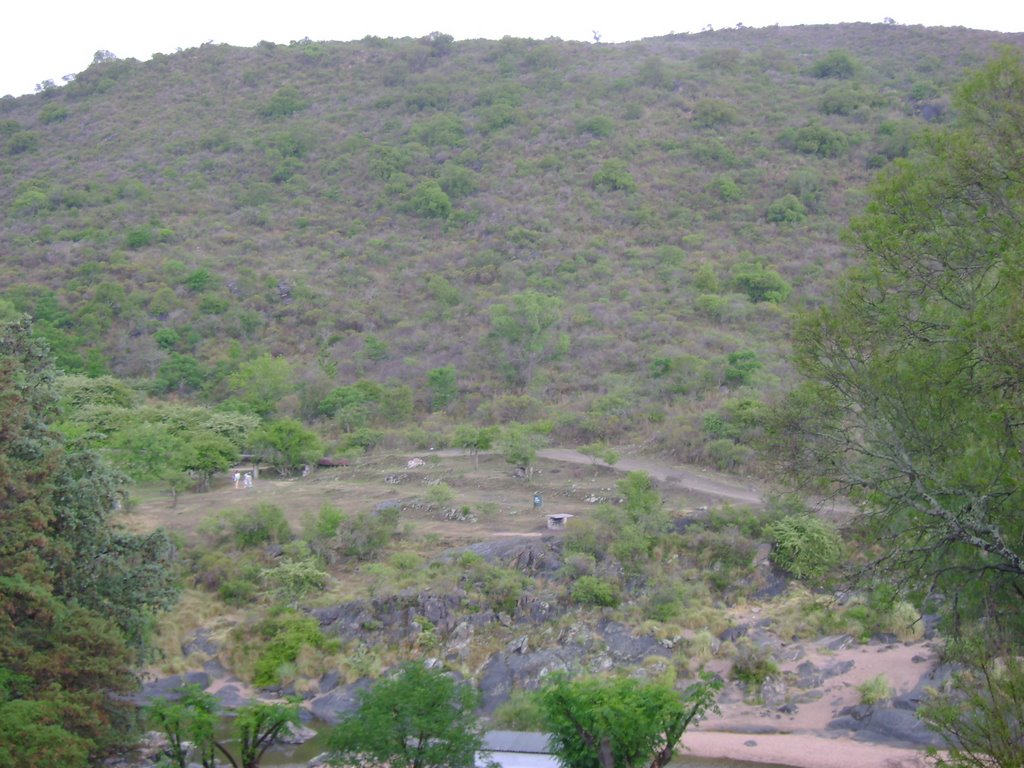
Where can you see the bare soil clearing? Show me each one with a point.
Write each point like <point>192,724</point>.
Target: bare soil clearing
<point>568,481</point>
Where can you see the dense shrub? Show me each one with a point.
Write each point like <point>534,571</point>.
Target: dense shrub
<point>753,664</point>
<point>265,524</point>
<point>805,546</point>
<point>786,210</point>
<point>760,282</point>
<point>614,175</point>
<point>285,101</point>
<point>837,64</point>
<point>430,201</point>
<point>591,590</point>
<point>284,636</point>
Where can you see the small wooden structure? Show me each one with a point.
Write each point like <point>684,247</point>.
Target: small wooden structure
<point>557,522</point>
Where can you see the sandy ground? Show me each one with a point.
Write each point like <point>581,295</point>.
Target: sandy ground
<point>800,751</point>
<point>804,741</point>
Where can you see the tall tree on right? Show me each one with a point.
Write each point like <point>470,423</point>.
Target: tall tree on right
<point>913,395</point>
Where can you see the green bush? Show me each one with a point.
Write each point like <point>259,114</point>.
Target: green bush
<point>285,101</point>
<point>503,587</point>
<point>285,636</point>
<point>875,691</point>
<point>786,210</point>
<point>237,592</point>
<point>265,524</point>
<point>365,535</point>
<point>598,125</point>
<point>805,546</point>
<point>664,603</point>
<point>753,665</point>
<point>520,712</point>
<point>613,176</point>
<point>760,282</point>
<point>837,64</point>
<point>591,590</point>
<point>430,201</point>
<point>21,142</point>
<point>53,113</point>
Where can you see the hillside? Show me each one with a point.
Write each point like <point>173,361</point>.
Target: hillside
<point>360,209</point>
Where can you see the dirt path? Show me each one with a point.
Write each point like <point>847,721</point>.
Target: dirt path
<point>686,478</point>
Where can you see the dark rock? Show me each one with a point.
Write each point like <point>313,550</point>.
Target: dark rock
<point>274,550</point>
<point>887,724</point>
<point>329,681</point>
<point>840,643</point>
<point>167,687</point>
<point>296,734</point>
<point>231,697</point>
<point>750,743</point>
<point>771,582</point>
<point>331,706</point>
<point>810,676</point>
<point>732,634</point>
<point>524,554</point>
<point>935,679</point>
<point>626,648</point>
<point>215,669</point>
<point>199,642</point>
<point>505,671</point>
<point>773,692</point>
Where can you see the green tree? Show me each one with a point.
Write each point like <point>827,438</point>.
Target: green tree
<point>524,330</point>
<point>621,722</point>
<point>206,454</point>
<point>519,444</point>
<point>262,382</point>
<point>475,439</point>
<point>980,712</point>
<point>288,445</point>
<point>600,452</point>
<point>418,718</point>
<point>444,387</point>
<point>75,594</point>
<point>759,282</point>
<point>189,725</point>
<point>913,403</point>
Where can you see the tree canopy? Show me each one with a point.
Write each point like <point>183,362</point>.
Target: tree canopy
<point>913,401</point>
<point>418,718</point>
<point>76,595</point>
<point>621,722</point>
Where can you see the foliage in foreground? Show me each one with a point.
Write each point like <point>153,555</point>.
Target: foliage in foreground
<point>418,718</point>
<point>621,722</point>
<point>190,723</point>
<point>981,713</point>
<point>912,402</point>
<point>76,596</point>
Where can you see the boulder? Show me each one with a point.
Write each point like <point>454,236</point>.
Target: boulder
<point>167,687</point>
<point>331,706</point>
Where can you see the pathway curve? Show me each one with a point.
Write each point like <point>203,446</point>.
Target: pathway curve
<point>689,478</point>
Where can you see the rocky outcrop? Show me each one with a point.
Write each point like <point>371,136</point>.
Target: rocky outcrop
<point>884,723</point>
<point>332,705</point>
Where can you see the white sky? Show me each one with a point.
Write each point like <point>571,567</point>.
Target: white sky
<point>46,40</point>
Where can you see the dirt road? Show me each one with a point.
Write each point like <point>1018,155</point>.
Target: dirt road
<point>686,478</point>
